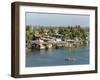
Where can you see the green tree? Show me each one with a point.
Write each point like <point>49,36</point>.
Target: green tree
<point>29,34</point>
<point>51,31</point>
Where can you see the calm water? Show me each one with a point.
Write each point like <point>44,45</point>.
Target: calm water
<point>56,57</point>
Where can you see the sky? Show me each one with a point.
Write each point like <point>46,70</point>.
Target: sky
<point>46,19</point>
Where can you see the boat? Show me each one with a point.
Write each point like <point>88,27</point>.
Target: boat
<point>70,59</point>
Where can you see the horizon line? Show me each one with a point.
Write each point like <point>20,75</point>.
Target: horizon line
<point>56,25</point>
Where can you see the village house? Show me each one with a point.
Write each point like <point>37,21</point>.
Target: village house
<point>70,42</point>
<point>58,37</point>
<point>40,42</point>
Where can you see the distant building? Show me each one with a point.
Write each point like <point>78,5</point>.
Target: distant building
<point>40,42</point>
<point>58,37</point>
<point>37,36</point>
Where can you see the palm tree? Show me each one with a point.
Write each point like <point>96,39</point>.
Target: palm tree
<point>29,34</point>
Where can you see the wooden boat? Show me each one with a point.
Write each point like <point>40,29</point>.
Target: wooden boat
<point>70,59</point>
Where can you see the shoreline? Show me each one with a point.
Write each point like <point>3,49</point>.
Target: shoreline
<point>30,50</point>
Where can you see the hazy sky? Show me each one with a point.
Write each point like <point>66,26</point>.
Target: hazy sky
<point>56,19</point>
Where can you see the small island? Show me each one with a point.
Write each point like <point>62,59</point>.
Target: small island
<point>46,37</point>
